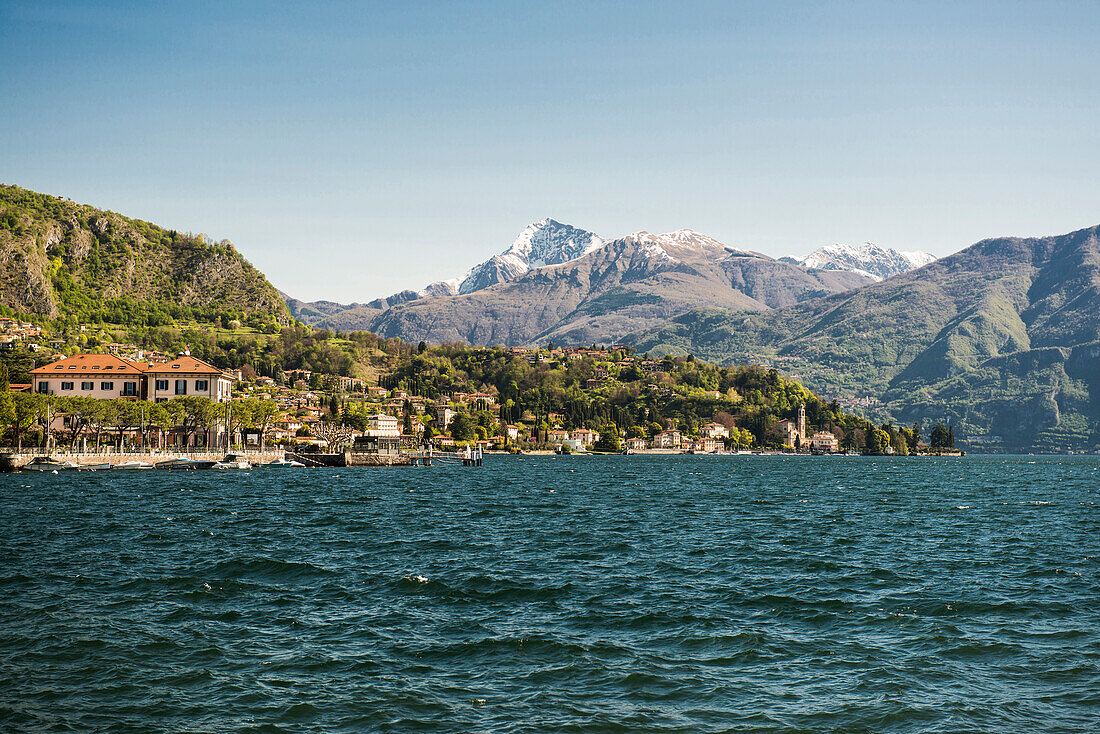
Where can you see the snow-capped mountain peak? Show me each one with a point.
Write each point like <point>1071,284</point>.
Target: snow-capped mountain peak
<point>549,242</point>
<point>542,243</point>
<point>874,261</point>
<point>682,244</point>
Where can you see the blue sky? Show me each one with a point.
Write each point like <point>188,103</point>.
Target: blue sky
<point>351,150</point>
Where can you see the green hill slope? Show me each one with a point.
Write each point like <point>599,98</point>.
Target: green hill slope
<point>59,258</point>
<point>996,338</point>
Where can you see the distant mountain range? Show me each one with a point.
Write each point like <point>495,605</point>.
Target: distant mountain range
<point>557,281</point>
<point>874,261</point>
<point>1002,339</point>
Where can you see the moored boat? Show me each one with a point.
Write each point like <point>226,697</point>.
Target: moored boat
<point>130,465</point>
<point>45,463</point>
<point>184,464</point>
<point>233,461</point>
<point>94,467</point>
<point>282,464</point>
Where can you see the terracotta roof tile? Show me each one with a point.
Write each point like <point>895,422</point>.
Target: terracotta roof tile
<point>83,363</point>
<point>188,365</point>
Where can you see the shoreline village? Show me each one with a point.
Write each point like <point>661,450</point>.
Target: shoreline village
<point>90,405</point>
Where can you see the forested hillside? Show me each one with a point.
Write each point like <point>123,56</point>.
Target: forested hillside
<point>62,260</point>
<point>1002,339</point>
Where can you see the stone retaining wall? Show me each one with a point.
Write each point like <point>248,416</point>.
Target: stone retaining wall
<point>12,461</point>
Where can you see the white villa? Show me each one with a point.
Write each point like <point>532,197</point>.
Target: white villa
<point>381,424</point>
<point>106,376</point>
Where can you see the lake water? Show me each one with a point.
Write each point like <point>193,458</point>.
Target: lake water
<point>632,594</point>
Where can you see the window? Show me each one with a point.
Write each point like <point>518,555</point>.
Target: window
<point>106,386</point>
<point>87,386</point>
<point>181,387</point>
<point>162,384</point>
<point>200,385</point>
<point>129,388</point>
<point>161,400</point>
<point>44,387</point>
<point>66,386</point>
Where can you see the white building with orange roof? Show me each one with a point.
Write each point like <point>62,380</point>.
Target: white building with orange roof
<point>107,376</point>
<point>102,376</point>
<point>187,376</point>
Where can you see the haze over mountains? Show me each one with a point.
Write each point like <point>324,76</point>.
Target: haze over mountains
<point>1002,339</point>
<point>560,281</point>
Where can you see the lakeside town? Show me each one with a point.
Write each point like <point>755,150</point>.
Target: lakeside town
<point>124,397</point>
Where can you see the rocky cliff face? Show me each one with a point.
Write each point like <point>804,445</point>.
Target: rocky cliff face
<point>56,256</point>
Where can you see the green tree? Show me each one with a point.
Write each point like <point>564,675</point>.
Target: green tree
<point>264,413</point>
<point>462,428</point>
<point>234,415</point>
<point>609,438</point>
<point>196,415</point>
<point>877,441</point>
<point>82,413</point>
<point>941,437</point>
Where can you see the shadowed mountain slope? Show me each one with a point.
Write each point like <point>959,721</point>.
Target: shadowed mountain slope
<point>996,338</point>
<point>622,286</point>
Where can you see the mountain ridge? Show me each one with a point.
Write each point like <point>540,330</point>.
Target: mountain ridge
<point>874,261</point>
<point>579,285</point>
<point>994,338</point>
<point>586,288</point>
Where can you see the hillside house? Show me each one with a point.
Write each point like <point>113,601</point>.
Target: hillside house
<point>443,417</point>
<point>585,436</point>
<point>381,424</point>
<point>670,439</point>
<point>556,435</point>
<point>715,430</point>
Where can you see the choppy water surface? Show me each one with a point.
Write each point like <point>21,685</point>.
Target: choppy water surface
<point>557,594</point>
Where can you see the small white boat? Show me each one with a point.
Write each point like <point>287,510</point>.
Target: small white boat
<point>222,465</point>
<point>282,464</point>
<point>46,464</point>
<point>233,461</point>
<point>133,465</point>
